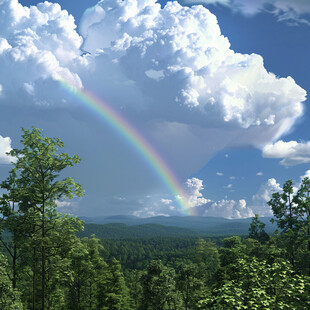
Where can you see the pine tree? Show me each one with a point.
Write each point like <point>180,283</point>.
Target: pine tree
<point>116,295</point>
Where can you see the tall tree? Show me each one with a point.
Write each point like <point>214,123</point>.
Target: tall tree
<point>159,288</point>
<point>257,231</point>
<point>37,168</point>
<point>284,207</point>
<point>207,258</point>
<point>11,221</point>
<point>116,294</point>
<point>286,210</point>
<point>190,284</point>
<point>133,281</point>
<point>303,201</point>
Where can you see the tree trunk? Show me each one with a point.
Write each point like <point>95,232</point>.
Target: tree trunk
<point>14,266</point>
<point>43,260</point>
<point>34,281</point>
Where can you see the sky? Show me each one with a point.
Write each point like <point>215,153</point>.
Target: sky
<point>208,99</point>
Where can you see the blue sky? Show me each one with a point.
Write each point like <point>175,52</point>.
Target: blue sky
<point>230,130</point>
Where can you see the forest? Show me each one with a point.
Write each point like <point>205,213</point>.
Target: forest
<point>48,262</point>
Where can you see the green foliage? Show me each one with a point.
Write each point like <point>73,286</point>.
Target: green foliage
<point>40,238</point>
<point>208,260</point>
<point>189,282</point>
<point>159,288</point>
<point>254,284</point>
<point>9,297</point>
<point>292,215</point>
<point>256,230</point>
<point>284,208</point>
<point>133,283</point>
<point>137,253</point>
<point>116,294</point>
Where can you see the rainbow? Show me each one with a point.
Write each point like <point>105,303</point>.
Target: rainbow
<point>136,140</point>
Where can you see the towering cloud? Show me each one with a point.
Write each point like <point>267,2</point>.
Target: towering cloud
<point>35,44</point>
<point>167,70</point>
<point>194,187</point>
<point>188,84</point>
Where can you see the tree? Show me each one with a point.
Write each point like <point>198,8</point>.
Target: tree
<point>34,186</point>
<point>286,211</point>
<point>11,222</point>
<point>115,293</point>
<point>133,281</point>
<point>88,277</point>
<point>291,208</point>
<point>256,230</point>
<point>232,250</point>
<point>159,291</point>
<point>255,284</point>
<point>189,283</point>
<point>303,201</point>
<point>9,297</point>
<point>284,207</point>
<point>207,258</point>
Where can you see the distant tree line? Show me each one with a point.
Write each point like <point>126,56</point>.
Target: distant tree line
<point>45,265</point>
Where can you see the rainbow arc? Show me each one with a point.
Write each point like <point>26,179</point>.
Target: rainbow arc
<point>136,140</point>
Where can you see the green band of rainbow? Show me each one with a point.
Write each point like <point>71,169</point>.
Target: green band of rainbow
<point>137,141</point>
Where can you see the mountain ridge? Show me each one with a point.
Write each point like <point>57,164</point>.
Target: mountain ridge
<point>131,226</point>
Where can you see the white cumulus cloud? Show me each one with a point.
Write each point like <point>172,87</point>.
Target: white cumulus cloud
<point>207,207</point>
<point>36,44</point>
<point>264,194</point>
<point>292,153</point>
<point>5,146</point>
<point>195,198</point>
<point>169,71</point>
<point>229,209</point>
<point>180,81</point>
<point>186,80</point>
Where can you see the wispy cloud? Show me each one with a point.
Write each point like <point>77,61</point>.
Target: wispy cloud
<point>293,12</point>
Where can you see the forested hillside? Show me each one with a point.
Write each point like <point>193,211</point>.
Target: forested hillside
<point>121,231</point>
<point>46,263</point>
<point>195,225</point>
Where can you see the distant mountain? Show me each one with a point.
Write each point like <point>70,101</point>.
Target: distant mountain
<point>122,231</point>
<point>130,226</point>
